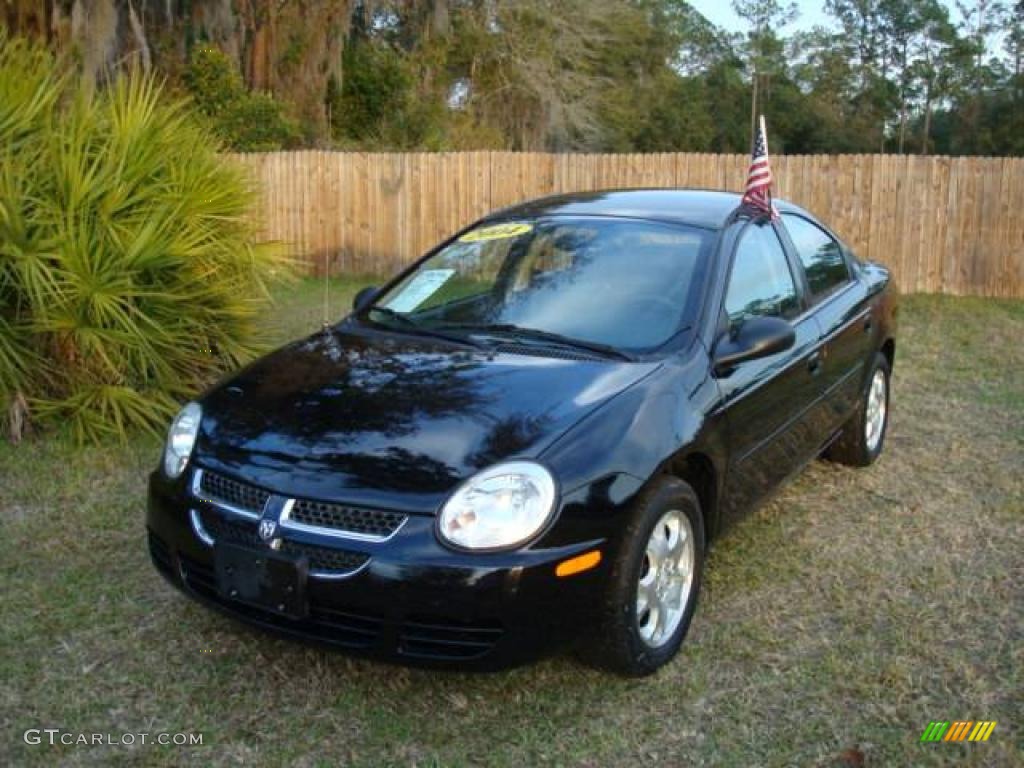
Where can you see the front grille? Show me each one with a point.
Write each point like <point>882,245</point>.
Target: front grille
<point>217,488</point>
<point>231,529</point>
<point>376,523</point>
<point>368,522</point>
<point>431,637</point>
<point>326,558</point>
<point>235,530</point>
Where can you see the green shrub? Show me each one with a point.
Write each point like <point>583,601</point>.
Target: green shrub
<point>129,273</point>
<point>378,105</point>
<point>375,89</point>
<point>245,120</point>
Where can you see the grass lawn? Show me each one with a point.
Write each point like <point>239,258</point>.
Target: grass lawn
<point>836,622</point>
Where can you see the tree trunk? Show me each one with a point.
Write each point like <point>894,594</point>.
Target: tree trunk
<point>753,112</point>
<point>440,21</point>
<point>903,125</point>
<point>142,44</point>
<point>927,120</point>
<point>94,35</point>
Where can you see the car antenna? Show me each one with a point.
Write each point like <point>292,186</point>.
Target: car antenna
<point>327,288</point>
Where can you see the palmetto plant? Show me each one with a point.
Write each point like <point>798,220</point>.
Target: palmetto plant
<point>129,271</point>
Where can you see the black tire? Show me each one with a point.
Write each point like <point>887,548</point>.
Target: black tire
<point>617,645</point>
<point>852,447</point>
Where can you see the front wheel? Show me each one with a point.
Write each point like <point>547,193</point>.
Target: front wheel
<point>654,583</point>
<point>863,436</point>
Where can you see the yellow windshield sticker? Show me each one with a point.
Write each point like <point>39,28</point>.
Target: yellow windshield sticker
<point>496,232</point>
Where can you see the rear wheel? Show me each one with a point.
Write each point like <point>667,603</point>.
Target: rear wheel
<point>863,436</point>
<point>654,583</point>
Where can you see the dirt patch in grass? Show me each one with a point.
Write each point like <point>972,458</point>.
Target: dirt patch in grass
<point>837,621</point>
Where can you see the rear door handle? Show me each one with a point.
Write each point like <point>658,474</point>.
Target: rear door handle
<point>814,363</point>
<point>868,325</point>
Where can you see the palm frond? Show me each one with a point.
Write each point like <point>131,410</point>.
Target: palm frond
<point>130,272</point>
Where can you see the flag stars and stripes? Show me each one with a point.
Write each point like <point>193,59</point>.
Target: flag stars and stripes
<point>758,192</point>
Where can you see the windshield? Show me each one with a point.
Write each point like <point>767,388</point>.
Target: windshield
<point>622,283</point>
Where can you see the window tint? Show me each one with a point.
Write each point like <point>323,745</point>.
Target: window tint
<point>760,283</point>
<point>820,254</point>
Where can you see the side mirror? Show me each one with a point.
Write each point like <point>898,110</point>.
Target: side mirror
<point>756,337</point>
<point>364,297</point>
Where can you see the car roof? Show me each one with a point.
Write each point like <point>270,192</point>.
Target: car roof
<point>705,208</point>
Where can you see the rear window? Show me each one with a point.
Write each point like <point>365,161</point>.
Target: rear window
<point>820,254</point>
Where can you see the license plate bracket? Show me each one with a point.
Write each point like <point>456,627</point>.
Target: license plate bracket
<point>262,578</point>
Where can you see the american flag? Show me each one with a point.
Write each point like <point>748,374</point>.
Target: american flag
<point>758,194</point>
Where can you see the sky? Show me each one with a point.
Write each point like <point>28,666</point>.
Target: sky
<point>720,13</point>
<point>812,13</point>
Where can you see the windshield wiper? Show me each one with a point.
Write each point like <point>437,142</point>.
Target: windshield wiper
<point>410,325</point>
<point>536,334</point>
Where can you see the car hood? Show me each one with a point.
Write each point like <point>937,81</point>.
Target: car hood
<point>391,419</point>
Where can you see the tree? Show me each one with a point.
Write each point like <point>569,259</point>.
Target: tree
<point>578,75</point>
<point>938,52</point>
<point>979,22</point>
<point>863,40</point>
<point>763,46</point>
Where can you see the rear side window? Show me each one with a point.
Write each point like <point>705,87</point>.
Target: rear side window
<point>820,255</point>
<point>760,282</point>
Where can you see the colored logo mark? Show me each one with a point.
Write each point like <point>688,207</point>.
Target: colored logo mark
<point>959,730</point>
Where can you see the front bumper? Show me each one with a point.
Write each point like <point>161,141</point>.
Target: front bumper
<point>407,599</point>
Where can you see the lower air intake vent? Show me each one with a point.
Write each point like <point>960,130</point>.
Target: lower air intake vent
<point>438,638</point>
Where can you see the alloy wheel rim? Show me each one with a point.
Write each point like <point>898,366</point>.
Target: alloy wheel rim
<point>877,407</point>
<point>666,578</point>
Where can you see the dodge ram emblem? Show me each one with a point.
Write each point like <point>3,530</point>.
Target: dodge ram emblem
<point>267,529</point>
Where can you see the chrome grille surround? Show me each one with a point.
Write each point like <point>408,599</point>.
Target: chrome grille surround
<point>371,523</point>
<point>238,497</point>
<point>231,509</point>
<point>309,515</point>
<point>211,526</point>
<point>288,522</point>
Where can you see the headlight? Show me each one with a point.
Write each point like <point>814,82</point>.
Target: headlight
<point>500,508</point>
<point>181,438</point>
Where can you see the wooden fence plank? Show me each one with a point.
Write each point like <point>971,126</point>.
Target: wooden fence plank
<point>950,225</point>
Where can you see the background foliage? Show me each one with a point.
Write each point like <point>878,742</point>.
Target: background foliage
<point>128,273</point>
<point>249,121</point>
<point>931,76</point>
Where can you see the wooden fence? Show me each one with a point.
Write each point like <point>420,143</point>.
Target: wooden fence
<point>943,224</point>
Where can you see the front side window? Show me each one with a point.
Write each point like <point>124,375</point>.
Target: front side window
<point>760,283</point>
<point>623,283</point>
<point>820,254</point>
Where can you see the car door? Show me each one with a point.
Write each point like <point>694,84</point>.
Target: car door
<point>766,401</point>
<point>842,307</point>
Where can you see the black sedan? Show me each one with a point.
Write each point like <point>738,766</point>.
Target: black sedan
<point>532,433</point>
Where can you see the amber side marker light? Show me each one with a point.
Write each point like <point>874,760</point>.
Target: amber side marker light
<point>578,564</point>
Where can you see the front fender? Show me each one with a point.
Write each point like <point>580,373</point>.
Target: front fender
<point>606,458</point>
